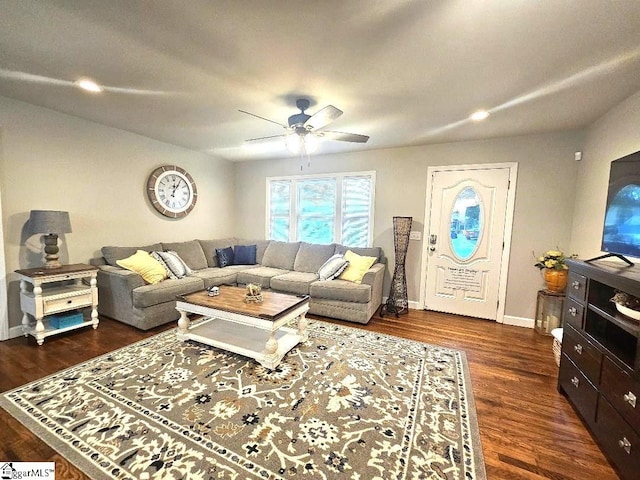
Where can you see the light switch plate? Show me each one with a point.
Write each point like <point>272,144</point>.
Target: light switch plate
<point>415,235</point>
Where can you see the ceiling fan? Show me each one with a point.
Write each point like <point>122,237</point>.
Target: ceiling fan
<point>303,130</point>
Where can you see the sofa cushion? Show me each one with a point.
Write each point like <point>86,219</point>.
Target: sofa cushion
<point>113,254</point>
<point>144,265</point>
<point>216,276</point>
<point>341,290</point>
<point>190,252</point>
<point>364,251</point>
<point>294,282</point>
<point>209,248</point>
<point>332,268</point>
<point>166,291</point>
<point>311,256</point>
<point>281,255</point>
<point>224,256</point>
<point>358,266</point>
<point>260,275</point>
<point>244,254</point>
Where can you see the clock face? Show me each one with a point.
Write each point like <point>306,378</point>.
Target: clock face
<point>172,191</point>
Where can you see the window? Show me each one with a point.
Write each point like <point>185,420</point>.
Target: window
<point>322,209</point>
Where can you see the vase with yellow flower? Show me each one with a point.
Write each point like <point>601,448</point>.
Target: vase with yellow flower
<point>554,269</point>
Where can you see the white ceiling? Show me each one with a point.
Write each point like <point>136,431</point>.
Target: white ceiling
<point>403,72</point>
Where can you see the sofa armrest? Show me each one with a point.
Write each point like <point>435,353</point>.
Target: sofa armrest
<point>97,261</point>
<point>375,278</point>
<point>121,276</point>
<point>115,291</point>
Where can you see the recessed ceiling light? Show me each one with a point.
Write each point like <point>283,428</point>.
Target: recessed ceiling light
<point>89,85</point>
<point>479,115</point>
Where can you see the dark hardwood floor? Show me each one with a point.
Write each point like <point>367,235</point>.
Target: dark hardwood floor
<point>528,429</point>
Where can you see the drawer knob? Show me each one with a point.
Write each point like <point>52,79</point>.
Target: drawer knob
<point>576,285</point>
<point>625,445</point>
<point>573,311</point>
<point>575,382</point>
<point>630,398</point>
<point>578,349</point>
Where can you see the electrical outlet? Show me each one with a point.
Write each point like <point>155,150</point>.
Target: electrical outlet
<point>415,235</point>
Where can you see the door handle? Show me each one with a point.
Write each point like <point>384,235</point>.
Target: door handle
<point>433,239</point>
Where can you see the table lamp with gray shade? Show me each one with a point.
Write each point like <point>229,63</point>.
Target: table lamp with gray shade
<point>51,223</point>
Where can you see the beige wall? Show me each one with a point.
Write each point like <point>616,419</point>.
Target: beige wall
<point>612,136</point>
<point>53,161</point>
<point>543,210</point>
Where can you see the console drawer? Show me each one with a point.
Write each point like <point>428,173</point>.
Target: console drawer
<point>577,286</point>
<point>573,313</point>
<point>61,303</point>
<point>583,353</point>
<point>623,392</point>
<point>580,391</point>
<point>618,440</point>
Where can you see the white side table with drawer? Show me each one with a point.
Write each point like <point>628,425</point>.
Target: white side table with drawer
<point>48,291</point>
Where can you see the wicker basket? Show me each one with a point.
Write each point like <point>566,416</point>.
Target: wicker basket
<point>557,344</point>
<point>253,298</point>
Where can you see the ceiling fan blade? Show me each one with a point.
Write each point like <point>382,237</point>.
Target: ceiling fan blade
<point>258,116</point>
<point>257,139</point>
<point>323,117</point>
<point>345,137</point>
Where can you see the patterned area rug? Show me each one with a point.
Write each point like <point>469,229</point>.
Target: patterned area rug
<point>346,404</point>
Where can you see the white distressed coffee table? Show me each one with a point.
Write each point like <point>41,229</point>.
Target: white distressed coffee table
<point>255,330</point>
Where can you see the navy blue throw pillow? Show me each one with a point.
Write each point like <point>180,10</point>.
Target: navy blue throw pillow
<point>244,254</point>
<point>225,256</point>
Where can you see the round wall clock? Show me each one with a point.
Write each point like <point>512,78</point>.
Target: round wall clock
<point>172,191</point>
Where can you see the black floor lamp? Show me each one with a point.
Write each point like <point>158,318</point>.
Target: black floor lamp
<point>398,301</point>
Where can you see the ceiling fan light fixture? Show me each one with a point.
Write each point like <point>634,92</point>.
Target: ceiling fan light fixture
<point>293,142</point>
<point>479,115</point>
<point>310,143</point>
<point>88,85</point>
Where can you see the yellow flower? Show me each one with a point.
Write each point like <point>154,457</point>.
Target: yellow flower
<point>553,260</point>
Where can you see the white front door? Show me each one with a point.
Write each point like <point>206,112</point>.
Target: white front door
<point>468,229</point>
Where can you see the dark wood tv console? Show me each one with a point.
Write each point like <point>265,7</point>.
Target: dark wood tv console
<point>600,362</point>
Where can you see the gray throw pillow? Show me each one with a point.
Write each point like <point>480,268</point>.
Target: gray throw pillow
<point>175,264</point>
<point>332,268</point>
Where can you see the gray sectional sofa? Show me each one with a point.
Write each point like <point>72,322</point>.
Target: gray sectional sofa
<point>289,267</point>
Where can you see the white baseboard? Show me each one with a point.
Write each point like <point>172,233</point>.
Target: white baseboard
<point>15,332</point>
<point>507,320</point>
<point>519,321</point>
<point>412,305</point>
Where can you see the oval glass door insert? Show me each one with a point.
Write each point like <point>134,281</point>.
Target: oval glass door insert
<point>466,224</point>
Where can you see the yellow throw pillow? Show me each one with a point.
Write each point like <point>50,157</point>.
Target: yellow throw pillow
<point>144,265</point>
<point>358,266</point>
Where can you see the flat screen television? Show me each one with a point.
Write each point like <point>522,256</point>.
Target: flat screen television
<point>621,231</point>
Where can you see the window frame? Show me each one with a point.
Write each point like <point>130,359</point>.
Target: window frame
<point>293,202</point>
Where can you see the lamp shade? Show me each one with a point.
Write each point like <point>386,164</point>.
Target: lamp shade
<point>49,221</point>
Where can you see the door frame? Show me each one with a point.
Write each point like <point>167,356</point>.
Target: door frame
<point>508,227</point>
<point>4,307</point>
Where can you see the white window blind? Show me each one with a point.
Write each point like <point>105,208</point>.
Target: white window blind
<point>322,209</point>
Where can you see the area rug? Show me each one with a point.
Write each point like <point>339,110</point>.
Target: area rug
<point>347,403</point>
